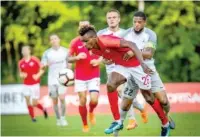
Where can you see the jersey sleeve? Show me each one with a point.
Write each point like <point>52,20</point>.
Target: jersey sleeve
<point>108,41</point>
<point>152,42</point>
<point>44,61</point>
<point>37,61</point>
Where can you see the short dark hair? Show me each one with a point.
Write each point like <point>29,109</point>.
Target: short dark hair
<point>140,14</point>
<point>85,29</point>
<point>114,10</point>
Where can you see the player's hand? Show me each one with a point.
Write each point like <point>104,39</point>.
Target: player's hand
<point>23,75</point>
<point>128,55</point>
<point>107,61</point>
<point>146,69</point>
<point>35,76</point>
<point>95,62</point>
<point>81,56</point>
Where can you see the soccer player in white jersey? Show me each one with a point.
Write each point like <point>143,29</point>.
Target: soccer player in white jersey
<point>55,58</point>
<point>113,20</point>
<point>146,41</point>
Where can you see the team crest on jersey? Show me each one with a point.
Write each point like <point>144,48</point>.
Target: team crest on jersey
<point>22,66</point>
<point>31,64</point>
<point>79,47</point>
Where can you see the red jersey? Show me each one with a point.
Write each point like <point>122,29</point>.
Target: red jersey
<point>30,67</point>
<point>110,49</point>
<point>83,70</point>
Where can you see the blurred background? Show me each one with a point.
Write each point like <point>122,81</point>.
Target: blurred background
<point>177,25</point>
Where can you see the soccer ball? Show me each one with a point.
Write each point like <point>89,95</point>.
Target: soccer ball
<point>66,77</point>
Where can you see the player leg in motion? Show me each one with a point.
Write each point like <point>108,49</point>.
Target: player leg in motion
<point>55,59</point>
<point>87,78</point>
<point>29,70</point>
<point>113,21</point>
<point>114,48</point>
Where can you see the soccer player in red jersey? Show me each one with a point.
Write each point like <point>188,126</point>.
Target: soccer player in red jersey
<point>87,77</point>
<point>114,48</point>
<point>29,70</point>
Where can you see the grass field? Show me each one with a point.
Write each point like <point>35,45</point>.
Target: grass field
<point>187,124</point>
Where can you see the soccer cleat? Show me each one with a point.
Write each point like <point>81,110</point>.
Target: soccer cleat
<point>165,131</point>
<point>34,120</point>
<point>115,126</point>
<point>45,114</point>
<point>144,116</point>
<point>171,123</point>
<point>131,124</point>
<point>58,122</point>
<point>92,118</point>
<point>64,122</point>
<point>85,128</point>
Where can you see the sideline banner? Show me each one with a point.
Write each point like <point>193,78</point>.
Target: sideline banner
<point>184,97</point>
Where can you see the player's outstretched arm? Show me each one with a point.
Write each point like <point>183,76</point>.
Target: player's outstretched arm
<point>148,53</point>
<point>131,45</point>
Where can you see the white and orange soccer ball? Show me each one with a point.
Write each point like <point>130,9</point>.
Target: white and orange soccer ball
<point>66,77</point>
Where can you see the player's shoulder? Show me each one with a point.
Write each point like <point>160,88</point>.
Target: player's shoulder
<point>102,31</point>
<point>35,58</point>
<point>64,49</point>
<point>21,61</point>
<point>149,32</point>
<point>125,32</point>
<point>75,41</point>
<point>47,51</point>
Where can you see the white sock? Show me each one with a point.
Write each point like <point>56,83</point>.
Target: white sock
<point>166,125</point>
<point>123,115</point>
<point>131,113</point>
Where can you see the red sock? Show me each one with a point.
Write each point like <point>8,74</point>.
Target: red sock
<point>92,106</point>
<point>83,113</point>
<point>40,106</point>
<point>31,111</point>
<point>113,100</point>
<point>158,109</point>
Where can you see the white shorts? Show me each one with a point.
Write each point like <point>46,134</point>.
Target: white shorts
<point>90,85</point>
<point>136,79</point>
<point>156,83</point>
<point>56,90</point>
<point>32,91</point>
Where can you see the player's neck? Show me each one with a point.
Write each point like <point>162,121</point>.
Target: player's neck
<point>114,29</point>
<point>27,58</point>
<point>56,47</point>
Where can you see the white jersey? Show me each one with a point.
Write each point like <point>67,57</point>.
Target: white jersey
<point>141,40</point>
<point>55,59</point>
<point>118,33</point>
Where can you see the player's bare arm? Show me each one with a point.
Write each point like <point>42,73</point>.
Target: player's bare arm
<point>22,74</point>
<point>80,56</point>
<point>138,54</point>
<point>148,52</point>
<point>128,55</point>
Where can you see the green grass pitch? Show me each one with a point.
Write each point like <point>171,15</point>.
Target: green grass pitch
<point>187,124</point>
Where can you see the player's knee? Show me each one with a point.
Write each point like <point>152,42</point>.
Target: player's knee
<point>83,101</point>
<point>111,87</point>
<point>94,101</point>
<point>149,99</point>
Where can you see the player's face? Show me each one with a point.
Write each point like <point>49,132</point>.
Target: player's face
<point>113,19</point>
<point>90,41</point>
<point>26,51</point>
<point>55,40</point>
<point>138,23</point>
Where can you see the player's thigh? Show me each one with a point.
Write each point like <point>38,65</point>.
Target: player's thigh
<point>142,79</point>
<point>61,91</point>
<point>53,91</point>
<point>28,100</point>
<point>94,88</point>
<point>35,93</point>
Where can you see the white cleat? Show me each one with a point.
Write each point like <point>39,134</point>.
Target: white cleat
<point>63,122</point>
<point>58,122</point>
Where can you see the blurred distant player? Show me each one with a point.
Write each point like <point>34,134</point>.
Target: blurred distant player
<point>55,58</point>
<point>146,41</point>
<point>87,78</point>
<point>29,70</point>
<point>113,20</point>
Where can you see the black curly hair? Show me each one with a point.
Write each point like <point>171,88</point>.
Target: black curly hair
<point>86,29</point>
